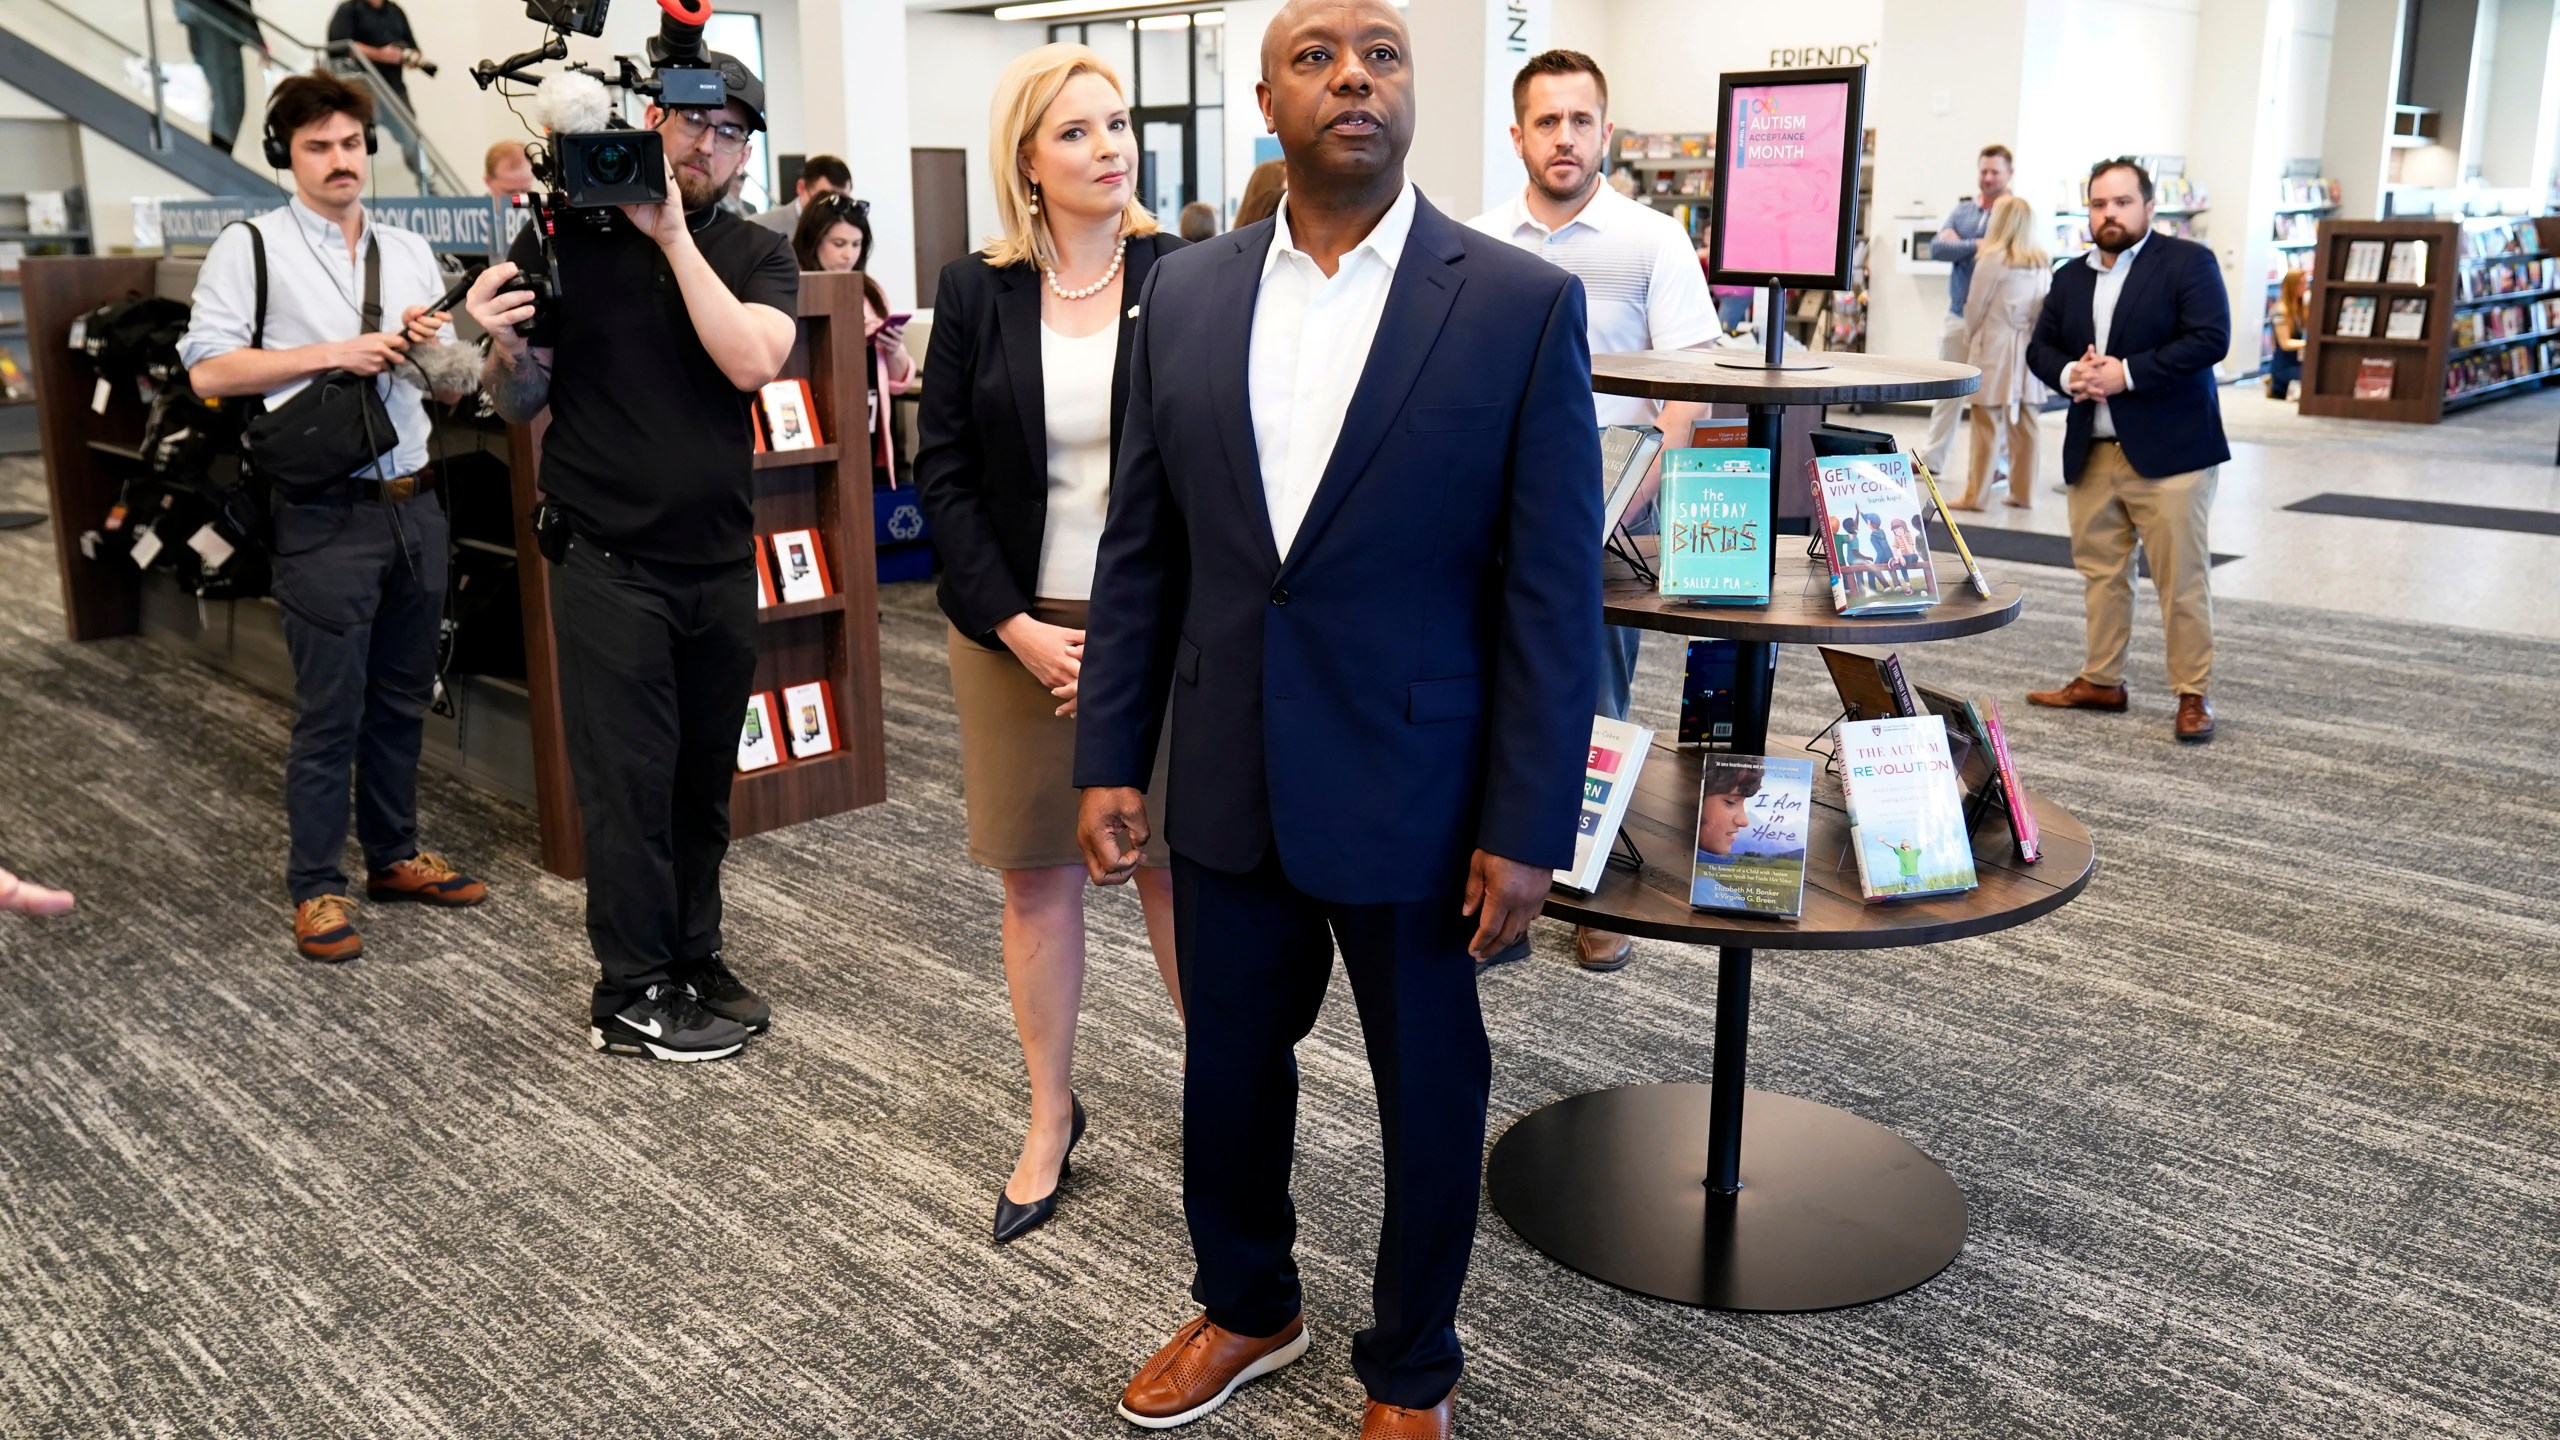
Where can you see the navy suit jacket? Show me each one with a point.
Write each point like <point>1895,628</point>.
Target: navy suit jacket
<point>2172,326</point>
<point>1416,680</point>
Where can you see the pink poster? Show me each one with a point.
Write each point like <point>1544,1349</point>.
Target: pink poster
<point>1780,210</point>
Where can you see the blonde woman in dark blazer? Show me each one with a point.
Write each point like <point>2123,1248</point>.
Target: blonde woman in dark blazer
<point>1025,382</point>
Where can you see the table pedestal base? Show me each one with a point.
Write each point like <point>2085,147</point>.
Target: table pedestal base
<point>1833,1210</point>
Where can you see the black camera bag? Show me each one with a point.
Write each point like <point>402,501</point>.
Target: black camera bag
<point>334,426</point>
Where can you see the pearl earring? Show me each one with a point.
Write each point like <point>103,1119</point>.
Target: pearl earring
<point>1035,197</point>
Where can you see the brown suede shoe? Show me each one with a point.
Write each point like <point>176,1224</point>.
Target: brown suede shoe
<point>1200,1367</point>
<point>424,877</point>
<point>1600,951</point>
<point>2081,695</point>
<point>2195,719</point>
<point>1394,1422</point>
<point>322,931</point>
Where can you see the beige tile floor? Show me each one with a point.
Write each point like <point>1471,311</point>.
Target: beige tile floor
<point>2498,454</point>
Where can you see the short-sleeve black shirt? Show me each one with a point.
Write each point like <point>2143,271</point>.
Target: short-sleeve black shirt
<point>384,24</point>
<point>651,450</point>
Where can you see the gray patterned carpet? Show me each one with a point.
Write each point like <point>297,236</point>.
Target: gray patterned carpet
<point>2260,1136</point>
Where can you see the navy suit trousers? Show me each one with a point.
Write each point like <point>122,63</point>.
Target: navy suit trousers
<point>1256,956</point>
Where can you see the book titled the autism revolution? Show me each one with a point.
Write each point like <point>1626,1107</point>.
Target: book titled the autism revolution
<point>1906,808</point>
<point>1715,526</point>
<point>1754,813</point>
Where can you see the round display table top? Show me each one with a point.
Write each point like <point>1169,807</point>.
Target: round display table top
<point>1663,818</point>
<point>1844,377</point>
<point>1800,609</point>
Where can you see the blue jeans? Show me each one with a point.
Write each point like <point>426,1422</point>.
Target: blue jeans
<point>2282,372</point>
<point>1619,643</point>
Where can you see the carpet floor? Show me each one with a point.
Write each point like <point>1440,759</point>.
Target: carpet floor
<point>2259,1136</point>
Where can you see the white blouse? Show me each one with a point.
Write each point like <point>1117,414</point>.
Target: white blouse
<point>1075,381</point>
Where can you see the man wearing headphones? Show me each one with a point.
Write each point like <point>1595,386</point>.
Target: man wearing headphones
<point>668,320</point>
<point>360,568</point>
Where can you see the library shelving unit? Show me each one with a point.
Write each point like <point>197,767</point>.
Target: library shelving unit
<point>1718,1195</point>
<point>509,735</point>
<point>19,240</point>
<point>1674,173</point>
<point>2179,203</point>
<point>2302,200</point>
<point>2491,328</point>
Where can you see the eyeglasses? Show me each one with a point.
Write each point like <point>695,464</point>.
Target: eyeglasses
<point>727,136</point>
<point>835,200</point>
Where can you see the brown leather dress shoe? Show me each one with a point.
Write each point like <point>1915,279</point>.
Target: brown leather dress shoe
<point>2081,695</point>
<point>1200,1367</point>
<point>1601,951</point>
<point>424,877</point>
<point>323,931</point>
<point>1394,1422</point>
<point>2195,719</point>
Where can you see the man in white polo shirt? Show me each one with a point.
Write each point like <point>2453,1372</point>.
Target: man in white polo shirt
<point>1640,282</point>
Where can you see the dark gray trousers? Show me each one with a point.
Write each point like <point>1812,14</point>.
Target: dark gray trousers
<point>362,590</point>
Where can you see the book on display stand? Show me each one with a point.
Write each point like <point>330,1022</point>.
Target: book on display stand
<point>1707,677</point>
<point>1973,575</point>
<point>1715,526</point>
<point>766,598</point>
<point>800,566</point>
<point>1907,825</point>
<point>1754,817</point>
<point>1626,452</point>
<point>1616,758</point>
<point>759,737</point>
<point>809,718</point>
<point>1875,537</point>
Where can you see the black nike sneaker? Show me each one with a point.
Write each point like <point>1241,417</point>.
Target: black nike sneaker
<point>721,992</point>
<point>667,1023</point>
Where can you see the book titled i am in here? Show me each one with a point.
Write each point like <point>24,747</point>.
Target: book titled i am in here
<point>1715,526</point>
<point>1906,808</point>
<point>1754,814</point>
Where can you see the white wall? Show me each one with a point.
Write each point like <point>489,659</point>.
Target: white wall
<point>2306,77</point>
<point>1663,56</point>
<point>2512,149</point>
<point>963,55</point>
<point>1947,81</point>
<point>2364,75</point>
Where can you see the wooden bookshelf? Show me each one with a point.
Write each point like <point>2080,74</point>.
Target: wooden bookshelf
<point>2331,360</point>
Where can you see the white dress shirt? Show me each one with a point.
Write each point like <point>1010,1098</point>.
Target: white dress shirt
<point>315,293</point>
<point>2102,310</point>
<point>1641,283</point>
<point>1311,338</point>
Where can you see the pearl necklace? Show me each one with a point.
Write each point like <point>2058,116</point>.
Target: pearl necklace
<point>1117,254</point>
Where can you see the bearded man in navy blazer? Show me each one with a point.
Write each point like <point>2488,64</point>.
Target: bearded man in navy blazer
<point>2131,332</point>
<point>1355,533</point>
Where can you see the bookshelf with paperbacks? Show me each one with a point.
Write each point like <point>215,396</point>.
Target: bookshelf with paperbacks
<point>2490,329</point>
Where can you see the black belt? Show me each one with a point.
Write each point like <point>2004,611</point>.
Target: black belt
<point>386,492</point>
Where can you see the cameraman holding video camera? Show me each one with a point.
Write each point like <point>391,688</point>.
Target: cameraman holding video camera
<point>662,326</point>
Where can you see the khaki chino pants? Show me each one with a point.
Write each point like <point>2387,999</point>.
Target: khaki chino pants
<point>2111,509</point>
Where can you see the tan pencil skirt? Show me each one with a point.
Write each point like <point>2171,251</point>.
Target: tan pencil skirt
<point>1018,757</point>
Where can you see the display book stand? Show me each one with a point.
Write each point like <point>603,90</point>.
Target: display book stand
<point>2331,361</point>
<point>1718,1195</point>
<point>87,453</point>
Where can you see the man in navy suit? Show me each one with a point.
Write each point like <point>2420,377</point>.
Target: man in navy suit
<point>2131,332</point>
<point>1355,533</point>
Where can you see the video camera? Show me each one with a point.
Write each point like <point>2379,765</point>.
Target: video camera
<point>589,159</point>
<point>592,158</point>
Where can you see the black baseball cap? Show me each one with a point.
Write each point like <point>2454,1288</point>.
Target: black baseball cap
<point>743,85</point>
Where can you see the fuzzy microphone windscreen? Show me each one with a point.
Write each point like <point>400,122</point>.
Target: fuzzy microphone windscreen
<point>447,368</point>
<point>571,103</point>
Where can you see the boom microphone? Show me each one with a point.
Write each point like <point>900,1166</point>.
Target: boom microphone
<point>571,103</point>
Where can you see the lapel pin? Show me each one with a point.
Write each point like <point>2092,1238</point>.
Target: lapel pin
<point>1133,312</point>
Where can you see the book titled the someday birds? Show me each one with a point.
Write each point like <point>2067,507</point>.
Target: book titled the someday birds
<point>1715,526</point>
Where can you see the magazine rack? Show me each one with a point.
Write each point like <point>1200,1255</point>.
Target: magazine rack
<point>1718,1195</point>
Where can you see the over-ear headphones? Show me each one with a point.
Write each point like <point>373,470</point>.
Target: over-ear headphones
<point>280,150</point>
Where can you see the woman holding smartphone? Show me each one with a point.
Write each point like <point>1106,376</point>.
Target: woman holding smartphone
<point>834,233</point>
<point>1028,376</point>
